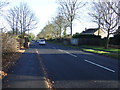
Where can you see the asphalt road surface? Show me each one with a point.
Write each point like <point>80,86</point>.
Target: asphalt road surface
<point>27,73</point>
<point>70,68</point>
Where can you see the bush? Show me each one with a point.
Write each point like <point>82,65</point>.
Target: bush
<point>9,43</point>
<point>88,39</point>
<point>115,40</point>
<point>85,36</point>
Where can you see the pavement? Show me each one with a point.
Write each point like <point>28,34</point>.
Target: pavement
<point>65,68</point>
<point>27,73</point>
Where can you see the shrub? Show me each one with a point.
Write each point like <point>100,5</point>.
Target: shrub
<point>9,43</point>
<point>115,40</point>
<point>87,39</point>
<point>85,36</point>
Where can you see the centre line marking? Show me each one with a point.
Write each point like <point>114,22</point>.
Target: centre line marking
<point>60,50</point>
<point>67,53</point>
<point>100,66</point>
<point>71,54</point>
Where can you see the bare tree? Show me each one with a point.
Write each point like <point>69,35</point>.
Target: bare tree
<point>96,14</point>
<point>60,22</point>
<point>11,19</point>
<point>47,32</point>
<point>70,9</point>
<point>55,28</point>
<point>21,19</point>
<point>116,7</point>
<point>2,5</point>
<point>108,18</point>
<point>27,18</point>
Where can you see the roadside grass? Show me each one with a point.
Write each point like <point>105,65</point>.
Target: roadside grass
<point>111,52</point>
<point>102,48</point>
<point>95,51</point>
<point>113,55</point>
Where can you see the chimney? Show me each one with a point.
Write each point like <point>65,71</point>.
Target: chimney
<point>85,28</point>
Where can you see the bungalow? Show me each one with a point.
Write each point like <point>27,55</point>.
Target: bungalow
<point>95,31</point>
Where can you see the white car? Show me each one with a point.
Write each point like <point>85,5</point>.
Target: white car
<point>41,42</point>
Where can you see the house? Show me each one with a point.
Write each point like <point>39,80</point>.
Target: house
<point>95,31</point>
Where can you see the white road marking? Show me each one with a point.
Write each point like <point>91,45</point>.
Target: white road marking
<point>71,54</point>
<point>67,52</point>
<point>60,50</point>
<point>100,66</point>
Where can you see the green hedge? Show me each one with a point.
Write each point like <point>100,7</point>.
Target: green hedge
<point>115,40</point>
<point>85,36</point>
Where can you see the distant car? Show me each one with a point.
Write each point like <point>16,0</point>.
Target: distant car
<point>42,42</point>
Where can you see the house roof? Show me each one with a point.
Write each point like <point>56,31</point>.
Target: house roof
<point>91,31</point>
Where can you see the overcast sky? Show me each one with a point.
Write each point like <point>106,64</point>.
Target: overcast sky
<point>45,10</point>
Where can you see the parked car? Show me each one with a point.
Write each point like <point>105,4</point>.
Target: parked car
<point>42,42</point>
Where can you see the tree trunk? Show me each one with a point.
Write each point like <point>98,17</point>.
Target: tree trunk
<point>71,25</point>
<point>107,40</point>
<point>16,31</point>
<point>60,32</point>
<point>71,29</point>
<point>64,31</point>
<point>13,31</point>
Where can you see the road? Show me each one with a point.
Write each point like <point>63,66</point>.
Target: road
<point>71,68</point>
<point>27,73</point>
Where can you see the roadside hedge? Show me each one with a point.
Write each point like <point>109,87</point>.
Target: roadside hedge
<point>9,43</point>
<point>115,40</point>
<point>85,36</point>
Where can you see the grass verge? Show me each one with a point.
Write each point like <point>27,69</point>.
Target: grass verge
<point>113,55</point>
<point>102,48</point>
